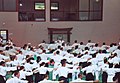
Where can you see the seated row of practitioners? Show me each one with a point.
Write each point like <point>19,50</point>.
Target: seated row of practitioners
<point>59,62</point>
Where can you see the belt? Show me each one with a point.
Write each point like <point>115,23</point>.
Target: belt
<point>100,60</point>
<point>110,75</point>
<point>2,76</point>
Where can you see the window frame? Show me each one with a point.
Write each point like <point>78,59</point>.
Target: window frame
<point>34,11</point>
<point>78,12</point>
<point>57,6</point>
<point>39,3</point>
<point>3,10</point>
<point>6,34</point>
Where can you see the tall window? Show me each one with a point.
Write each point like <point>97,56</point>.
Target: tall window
<point>31,10</point>
<point>76,10</point>
<point>4,35</point>
<point>8,5</point>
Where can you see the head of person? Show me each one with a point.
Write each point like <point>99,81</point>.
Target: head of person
<point>1,52</point>
<point>115,54</point>
<point>17,74</point>
<point>80,75</point>
<point>104,43</point>
<point>81,43</point>
<point>110,65</point>
<point>96,45</point>
<point>75,54</point>
<point>75,41</point>
<point>58,52</point>
<point>42,64</point>
<point>59,47</point>
<point>76,47</point>
<point>52,62</point>
<point>86,48</point>
<point>44,51</point>
<point>118,47</point>
<point>105,60</point>
<point>89,41</point>
<point>22,67</point>
<point>63,62</point>
<point>46,76</point>
<point>2,63</point>
<point>94,55</point>
<point>38,59</point>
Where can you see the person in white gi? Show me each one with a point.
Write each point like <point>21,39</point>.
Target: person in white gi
<point>3,71</point>
<point>63,71</point>
<point>79,79</point>
<point>16,79</point>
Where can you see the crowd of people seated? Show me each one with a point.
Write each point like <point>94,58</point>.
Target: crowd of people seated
<point>59,62</point>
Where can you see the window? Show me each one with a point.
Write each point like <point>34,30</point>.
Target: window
<point>8,5</point>
<point>4,35</point>
<point>32,10</point>
<point>76,10</point>
<point>54,6</point>
<point>39,6</point>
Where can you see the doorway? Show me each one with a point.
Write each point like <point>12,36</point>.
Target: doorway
<point>55,34</point>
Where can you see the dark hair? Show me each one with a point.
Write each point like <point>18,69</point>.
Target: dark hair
<point>94,55</point>
<point>68,50</point>
<point>25,45</point>
<point>46,75</point>
<point>81,43</point>
<point>2,62</point>
<point>104,51</point>
<point>44,51</point>
<point>12,57</point>
<point>63,61</point>
<point>79,74</point>
<point>100,51</point>
<point>115,54</point>
<point>96,45</point>
<point>43,41</point>
<point>75,54</point>
<point>111,44</point>
<point>76,47</point>
<point>20,51</point>
<point>63,44</point>
<point>75,41</point>
<point>117,76</point>
<point>110,65</point>
<point>103,43</point>
<point>105,60</point>
<point>43,63</point>
<point>59,47</point>
<point>7,48</point>
<point>86,48</point>
<point>57,52</point>
<point>1,51</point>
<point>117,66</point>
<point>89,63</point>
<point>27,56</point>
<point>28,60</point>
<point>89,41</point>
<point>46,64</point>
<point>51,60</point>
<point>16,73</point>
<point>31,48</point>
<point>118,47</point>
<point>38,59</point>
<point>21,67</point>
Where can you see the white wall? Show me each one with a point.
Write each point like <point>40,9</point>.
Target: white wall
<point>107,30</point>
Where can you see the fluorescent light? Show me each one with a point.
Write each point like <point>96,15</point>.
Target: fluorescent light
<point>21,4</point>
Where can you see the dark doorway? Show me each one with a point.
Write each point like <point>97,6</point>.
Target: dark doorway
<point>59,33</point>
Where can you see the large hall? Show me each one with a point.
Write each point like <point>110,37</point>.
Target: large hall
<point>59,41</point>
